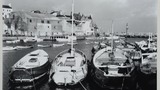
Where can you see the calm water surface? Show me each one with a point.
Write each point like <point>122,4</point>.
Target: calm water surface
<point>11,57</point>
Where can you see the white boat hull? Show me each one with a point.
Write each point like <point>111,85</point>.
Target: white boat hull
<point>70,73</point>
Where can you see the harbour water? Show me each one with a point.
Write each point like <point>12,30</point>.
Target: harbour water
<point>11,57</point>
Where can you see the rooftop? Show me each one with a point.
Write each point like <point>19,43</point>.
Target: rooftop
<point>6,6</point>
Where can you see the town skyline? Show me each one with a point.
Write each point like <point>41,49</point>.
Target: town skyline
<point>140,15</point>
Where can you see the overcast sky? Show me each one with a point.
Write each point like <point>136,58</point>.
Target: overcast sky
<point>141,15</point>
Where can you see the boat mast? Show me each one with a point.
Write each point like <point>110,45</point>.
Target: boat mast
<point>72,28</point>
<point>149,40</point>
<point>126,31</point>
<point>112,36</point>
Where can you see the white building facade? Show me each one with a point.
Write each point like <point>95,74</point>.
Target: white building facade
<point>6,10</point>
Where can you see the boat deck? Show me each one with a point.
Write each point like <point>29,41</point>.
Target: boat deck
<point>103,58</point>
<point>33,59</point>
<point>68,60</point>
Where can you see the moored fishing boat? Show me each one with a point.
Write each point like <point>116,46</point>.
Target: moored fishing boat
<point>23,47</point>
<point>30,68</point>
<point>33,39</point>
<point>43,46</point>
<point>148,46</point>
<point>69,69</point>
<point>58,45</point>
<point>14,41</point>
<point>9,48</point>
<point>70,66</point>
<point>65,38</point>
<point>111,67</point>
<point>149,63</point>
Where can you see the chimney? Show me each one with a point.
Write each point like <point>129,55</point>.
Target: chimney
<point>9,4</point>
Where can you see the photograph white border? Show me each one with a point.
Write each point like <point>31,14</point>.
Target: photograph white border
<point>158,42</point>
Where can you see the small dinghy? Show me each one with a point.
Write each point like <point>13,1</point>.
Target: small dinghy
<point>87,43</point>
<point>9,48</point>
<point>58,45</point>
<point>69,69</point>
<point>14,41</point>
<point>44,46</point>
<point>30,68</point>
<point>23,47</point>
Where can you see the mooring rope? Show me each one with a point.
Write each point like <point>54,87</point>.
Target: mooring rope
<point>80,82</point>
<point>33,80</point>
<point>82,85</point>
<point>122,83</point>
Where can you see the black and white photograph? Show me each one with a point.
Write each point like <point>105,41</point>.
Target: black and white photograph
<point>79,44</point>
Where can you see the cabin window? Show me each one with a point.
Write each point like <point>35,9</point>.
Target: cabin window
<point>70,61</point>
<point>34,54</point>
<point>48,22</point>
<point>30,20</point>
<point>42,21</point>
<point>31,33</point>
<point>58,22</point>
<point>46,33</point>
<point>63,71</point>
<point>13,16</point>
<point>39,33</point>
<point>48,26</point>
<point>54,27</point>
<point>33,60</point>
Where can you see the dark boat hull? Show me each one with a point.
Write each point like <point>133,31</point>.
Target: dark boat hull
<point>22,75</point>
<point>110,82</point>
<point>29,85</point>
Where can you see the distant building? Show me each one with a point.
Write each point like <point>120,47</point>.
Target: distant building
<point>6,10</point>
<point>35,23</point>
<point>83,25</point>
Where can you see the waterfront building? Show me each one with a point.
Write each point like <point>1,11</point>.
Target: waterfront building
<point>31,24</point>
<point>6,11</point>
<point>43,24</point>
